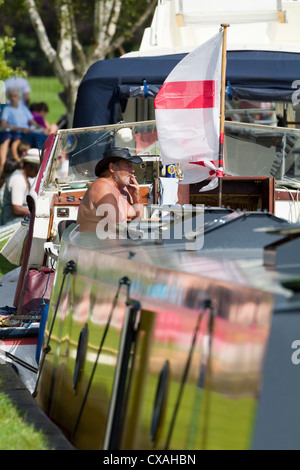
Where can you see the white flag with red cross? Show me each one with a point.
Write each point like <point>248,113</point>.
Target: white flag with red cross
<point>187,112</point>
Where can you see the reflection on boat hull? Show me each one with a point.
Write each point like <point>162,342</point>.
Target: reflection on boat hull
<point>137,356</point>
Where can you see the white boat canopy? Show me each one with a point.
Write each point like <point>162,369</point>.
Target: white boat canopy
<point>181,25</point>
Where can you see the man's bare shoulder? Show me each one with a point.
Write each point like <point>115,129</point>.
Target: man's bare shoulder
<point>102,191</point>
<point>102,182</point>
<point>101,185</point>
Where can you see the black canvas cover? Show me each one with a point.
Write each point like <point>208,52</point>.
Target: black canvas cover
<point>253,75</point>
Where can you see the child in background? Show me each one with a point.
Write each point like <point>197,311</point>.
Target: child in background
<point>22,149</point>
<point>39,112</point>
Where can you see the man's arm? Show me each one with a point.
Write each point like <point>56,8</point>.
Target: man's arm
<point>137,208</point>
<point>4,125</point>
<point>20,210</point>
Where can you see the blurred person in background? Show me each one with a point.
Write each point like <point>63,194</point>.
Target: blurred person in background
<point>10,166</point>
<point>39,112</point>
<point>62,166</point>
<point>16,120</point>
<point>22,149</point>
<point>17,188</point>
<point>23,85</point>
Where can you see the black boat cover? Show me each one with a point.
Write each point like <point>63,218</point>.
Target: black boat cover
<point>253,75</point>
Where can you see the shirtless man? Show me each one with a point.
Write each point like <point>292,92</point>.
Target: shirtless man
<point>114,196</point>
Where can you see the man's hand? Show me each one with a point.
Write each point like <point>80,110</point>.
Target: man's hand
<point>134,190</point>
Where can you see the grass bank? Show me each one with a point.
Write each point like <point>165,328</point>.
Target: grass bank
<point>5,265</point>
<point>16,433</point>
<point>46,89</point>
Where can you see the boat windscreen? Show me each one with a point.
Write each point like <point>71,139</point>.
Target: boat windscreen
<point>250,150</point>
<point>81,149</point>
<point>256,150</point>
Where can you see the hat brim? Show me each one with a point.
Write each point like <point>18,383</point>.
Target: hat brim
<point>31,160</point>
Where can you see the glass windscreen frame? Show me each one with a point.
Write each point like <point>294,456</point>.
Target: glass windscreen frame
<point>249,150</point>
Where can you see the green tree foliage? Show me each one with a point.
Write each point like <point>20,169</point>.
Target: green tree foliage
<point>6,46</point>
<point>73,34</point>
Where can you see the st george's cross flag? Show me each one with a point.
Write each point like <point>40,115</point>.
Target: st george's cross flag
<point>187,112</point>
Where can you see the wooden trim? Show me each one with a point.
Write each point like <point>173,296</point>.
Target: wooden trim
<point>63,201</point>
<point>50,226</point>
<point>234,185</point>
<point>281,16</point>
<point>144,195</point>
<point>268,194</point>
<point>179,20</point>
<point>156,191</point>
<point>262,188</point>
<point>290,195</point>
<point>183,194</point>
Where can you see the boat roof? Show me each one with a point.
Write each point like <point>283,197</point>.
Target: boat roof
<point>233,247</point>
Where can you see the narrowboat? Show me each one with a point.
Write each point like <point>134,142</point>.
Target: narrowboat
<point>179,334</point>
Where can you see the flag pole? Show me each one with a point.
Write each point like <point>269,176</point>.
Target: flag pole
<point>222,111</point>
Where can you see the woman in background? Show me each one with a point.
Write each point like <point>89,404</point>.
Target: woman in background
<point>17,188</point>
<point>10,166</point>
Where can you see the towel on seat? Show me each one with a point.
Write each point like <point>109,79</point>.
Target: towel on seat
<point>168,194</point>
